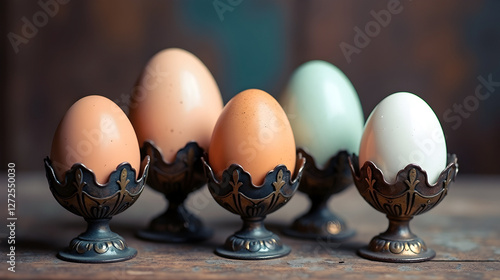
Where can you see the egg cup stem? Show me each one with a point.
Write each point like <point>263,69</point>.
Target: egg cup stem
<point>399,228</point>
<point>319,223</point>
<point>98,244</point>
<point>397,244</point>
<point>253,242</point>
<point>176,225</point>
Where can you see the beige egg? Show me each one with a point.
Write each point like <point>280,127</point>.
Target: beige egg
<point>254,132</point>
<point>97,133</point>
<point>176,101</point>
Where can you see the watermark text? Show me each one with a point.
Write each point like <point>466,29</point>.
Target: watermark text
<point>11,219</point>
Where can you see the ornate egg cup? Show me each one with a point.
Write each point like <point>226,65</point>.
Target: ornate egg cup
<point>175,181</point>
<point>237,194</point>
<point>319,222</point>
<point>410,195</point>
<point>82,195</point>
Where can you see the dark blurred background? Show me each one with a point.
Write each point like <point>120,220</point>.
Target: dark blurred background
<point>447,52</point>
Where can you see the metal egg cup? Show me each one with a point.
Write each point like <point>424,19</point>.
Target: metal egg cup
<point>410,195</point>
<point>236,193</point>
<point>319,222</point>
<point>176,181</point>
<point>82,195</point>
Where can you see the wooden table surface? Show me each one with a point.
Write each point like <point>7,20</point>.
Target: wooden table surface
<point>464,230</point>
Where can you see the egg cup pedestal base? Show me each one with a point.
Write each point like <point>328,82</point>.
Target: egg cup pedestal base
<point>253,242</point>
<point>82,195</point>
<point>97,245</point>
<point>176,225</point>
<point>175,181</point>
<point>319,223</point>
<point>236,193</point>
<point>398,245</point>
<point>410,195</point>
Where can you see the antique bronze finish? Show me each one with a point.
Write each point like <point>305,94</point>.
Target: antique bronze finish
<point>175,181</point>
<point>320,184</point>
<point>410,195</point>
<point>80,194</point>
<point>237,194</point>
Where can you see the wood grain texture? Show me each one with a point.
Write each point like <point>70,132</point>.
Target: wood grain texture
<point>436,51</point>
<point>464,230</point>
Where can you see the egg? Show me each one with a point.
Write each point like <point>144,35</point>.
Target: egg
<point>176,101</point>
<point>402,130</point>
<point>324,110</point>
<point>254,132</point>
<point>96,133</point>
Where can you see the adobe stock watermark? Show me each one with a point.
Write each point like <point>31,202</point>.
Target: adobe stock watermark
<point>328,245</point>
<point>425,147</point>
<point>151,79</point>
<point>12,218</point>
<point>198,201</point>
<point>90,139</point>
<point>39,19</point>
<point>470,104</point>
<point>363,37</point>
<point>223,6</point>
<point>253,145</point>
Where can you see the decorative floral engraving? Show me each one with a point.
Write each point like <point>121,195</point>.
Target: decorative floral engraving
<point>413,179</point>
<point>100,247</point>
<point>236,193</point>
<point>92,201</point>
<point>413,247</point>
<point>262,245</point>
<point>405,204</point>
<point>238,201</point>
<point>81,194</point>
<point>175,180</point>
<point>279,180</point>
<point>123,182</point>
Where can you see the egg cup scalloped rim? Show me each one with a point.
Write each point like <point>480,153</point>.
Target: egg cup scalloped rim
<point>176,224</point>
<point>329,163</point>
<point>293,176</point>
<point>452,163</point>
<point>177,154</point>
<point>77,165</point>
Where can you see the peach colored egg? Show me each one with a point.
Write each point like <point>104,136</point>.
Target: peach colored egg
<point>175,101</point>
<point>97,133</point>
<point>254,132</point>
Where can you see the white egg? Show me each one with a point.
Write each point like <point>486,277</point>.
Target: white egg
<point>402,130</point>
<point>324,110</point>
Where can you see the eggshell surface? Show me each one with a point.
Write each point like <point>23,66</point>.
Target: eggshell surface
<point>175,101</point>
<point>402,130</point>
<point>324,110</point>
<point>97,133</point>
<point>254,132</point>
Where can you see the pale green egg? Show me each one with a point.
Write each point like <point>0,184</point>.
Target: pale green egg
<point>324,110</point>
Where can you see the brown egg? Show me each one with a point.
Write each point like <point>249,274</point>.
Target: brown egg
<point>97,133</point>
<point>254,132</point>
<point>175,101</point>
